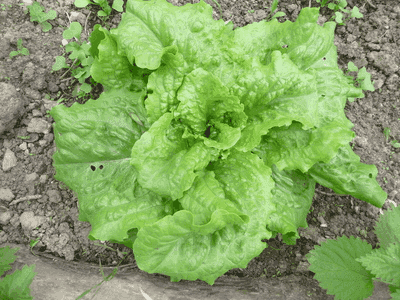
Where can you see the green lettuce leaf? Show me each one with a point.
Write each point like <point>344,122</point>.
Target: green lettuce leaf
<point>345,174</point>
<point>212,234</point>
<point>293,194</point>
<point>94,143</point>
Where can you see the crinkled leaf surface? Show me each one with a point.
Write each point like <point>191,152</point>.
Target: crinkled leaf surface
<point>206,247</point>
<point>208,139</point>
<point>94,143</point>
<point>345,174</point>
<point>294,191</point>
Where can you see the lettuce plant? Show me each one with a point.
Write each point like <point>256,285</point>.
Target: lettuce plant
<point>207,140</point>
<point>346,267</point>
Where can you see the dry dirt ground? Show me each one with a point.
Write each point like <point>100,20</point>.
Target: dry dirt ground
<point>48,210</point>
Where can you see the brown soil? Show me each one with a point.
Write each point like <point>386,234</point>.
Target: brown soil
<point>51,215</point>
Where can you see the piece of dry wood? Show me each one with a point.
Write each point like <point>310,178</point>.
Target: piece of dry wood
<point>31,197</point>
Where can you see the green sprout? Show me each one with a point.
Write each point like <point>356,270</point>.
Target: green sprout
<point>394,143</point>
<point>21,50</point>
<point>386,132</point>
<point>105,278</point>
<point>33,244</point>
<point>274,5</point>
<point>3,6</point>
<point>219,6</point>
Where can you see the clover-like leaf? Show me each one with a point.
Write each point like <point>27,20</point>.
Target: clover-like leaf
<point>82,3</point>
<point>59,64</point>
<point>74,30</point>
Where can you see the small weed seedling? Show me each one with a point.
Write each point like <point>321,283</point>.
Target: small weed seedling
<point>340,5</point>
<point>21,50</point>
<point>117,5</point>
<point>363,78</point>
<point>386,132</point>
<point>80,54</point>
<point>38,15</point>
<point>274,5</point>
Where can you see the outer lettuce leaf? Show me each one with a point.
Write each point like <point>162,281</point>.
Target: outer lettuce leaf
<point>109,68</point>
<point>293,194</point>
<point>346,175</point>
<point>307,41</point>
<point>180,248</point>
<point>293,148</point>
<point>94,144</point>
<point>145,33</point>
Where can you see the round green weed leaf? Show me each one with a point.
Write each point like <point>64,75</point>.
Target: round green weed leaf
<point>59,64</point>
<point>51,15</point>
<point>74,30</point>
<point>82,3</point>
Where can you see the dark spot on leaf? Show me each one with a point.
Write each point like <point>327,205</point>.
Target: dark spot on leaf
<point>93,168</point>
